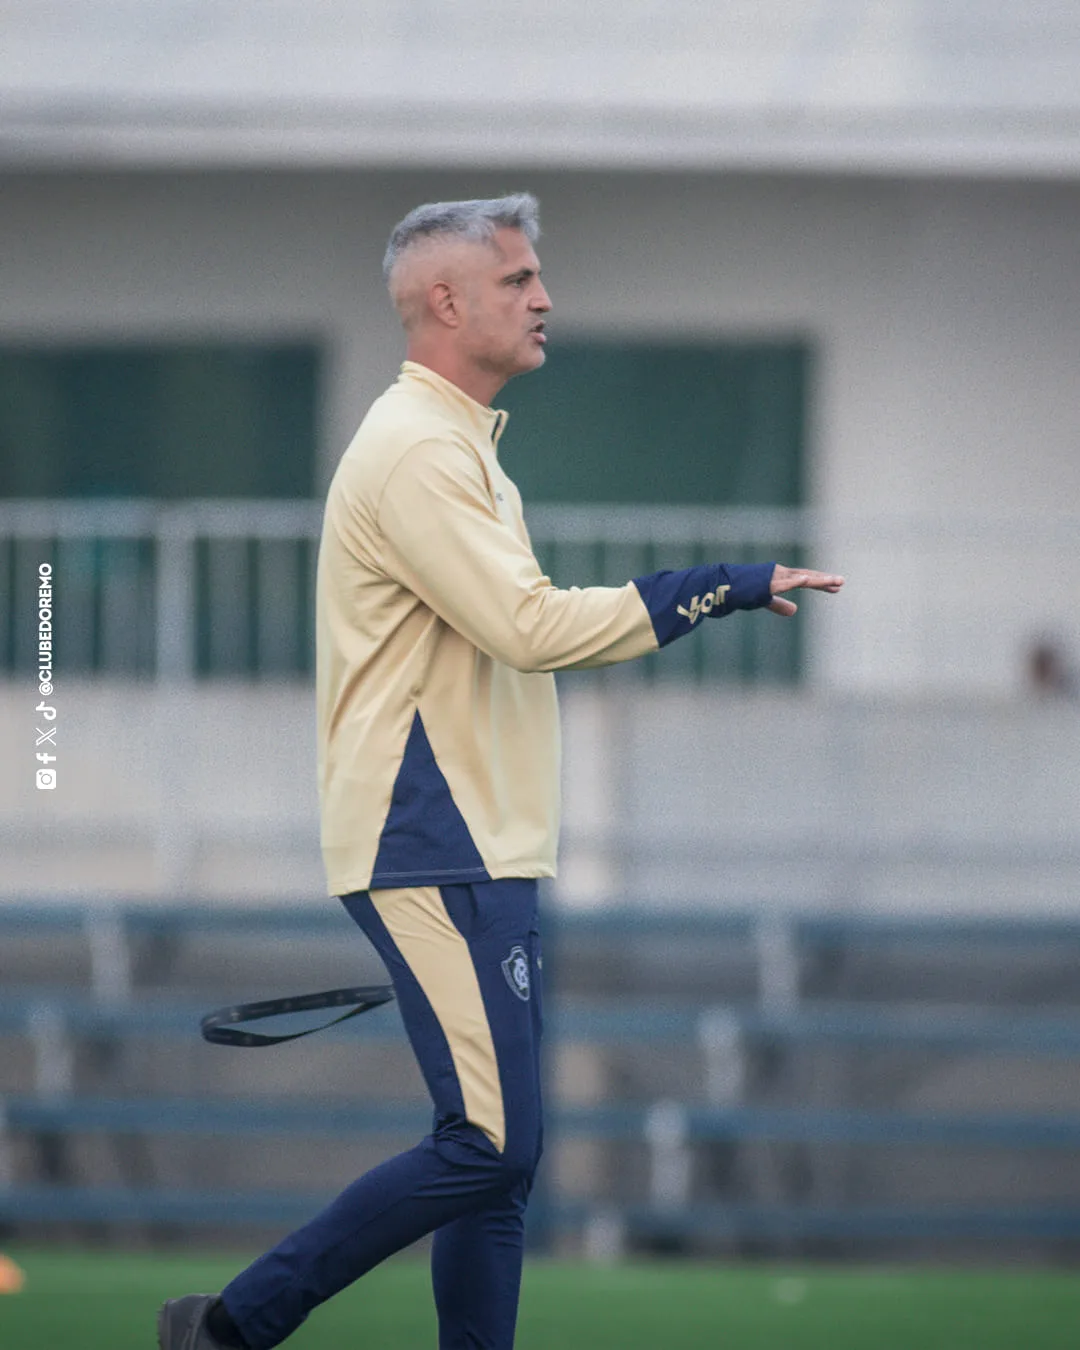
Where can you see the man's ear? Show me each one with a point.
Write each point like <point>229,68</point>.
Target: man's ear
<point>444,304</point>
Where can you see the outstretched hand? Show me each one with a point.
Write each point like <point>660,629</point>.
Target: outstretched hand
<point>795,579</point>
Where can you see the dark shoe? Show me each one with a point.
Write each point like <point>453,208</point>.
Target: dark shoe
<point>181,1323</point>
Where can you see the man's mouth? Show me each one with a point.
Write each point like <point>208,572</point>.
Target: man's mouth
<point>537,331</point>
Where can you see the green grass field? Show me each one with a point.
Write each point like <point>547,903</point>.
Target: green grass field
<point>80,1301</point>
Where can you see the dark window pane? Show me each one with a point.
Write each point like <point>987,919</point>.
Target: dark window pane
<point>198,420</point>
<point>678,422</point>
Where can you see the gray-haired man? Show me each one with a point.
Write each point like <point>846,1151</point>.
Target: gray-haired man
<point>437,634</point>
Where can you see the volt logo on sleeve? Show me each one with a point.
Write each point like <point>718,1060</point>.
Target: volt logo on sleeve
<point>676,600</point>
<point>703,604</point>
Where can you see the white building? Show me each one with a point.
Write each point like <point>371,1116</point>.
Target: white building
<point>898,184</point>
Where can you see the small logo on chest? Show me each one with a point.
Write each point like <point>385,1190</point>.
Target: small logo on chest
<point>504,509</point>
<point>516,970</point>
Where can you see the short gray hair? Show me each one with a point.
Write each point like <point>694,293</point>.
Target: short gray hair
<point>477,220</point>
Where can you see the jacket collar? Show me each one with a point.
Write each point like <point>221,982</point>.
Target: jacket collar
<point>487,424</point>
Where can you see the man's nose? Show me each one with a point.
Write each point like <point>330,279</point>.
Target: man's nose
<point>540,300</point>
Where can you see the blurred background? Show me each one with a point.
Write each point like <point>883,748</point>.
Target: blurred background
<point>813,951</point>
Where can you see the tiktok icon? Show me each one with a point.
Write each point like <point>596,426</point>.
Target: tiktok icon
<point>46,778</point>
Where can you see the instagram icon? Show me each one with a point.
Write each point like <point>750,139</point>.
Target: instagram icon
<point>45,778</point>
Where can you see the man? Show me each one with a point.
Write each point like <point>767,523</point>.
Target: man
<point>439,773</point>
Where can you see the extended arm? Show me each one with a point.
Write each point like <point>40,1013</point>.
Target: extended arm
<point>444,542</point>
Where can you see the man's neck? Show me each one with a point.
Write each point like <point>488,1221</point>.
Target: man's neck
<point>480,385</point>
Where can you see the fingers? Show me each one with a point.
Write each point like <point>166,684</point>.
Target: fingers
<point>785,608</point>
<point>824,581</point>
<point>816,581</point>
<point>804,578</point>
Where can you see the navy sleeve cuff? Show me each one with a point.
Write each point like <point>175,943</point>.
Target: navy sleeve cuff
<point>676,600</point>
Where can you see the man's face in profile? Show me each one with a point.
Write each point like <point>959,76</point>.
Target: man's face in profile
<point>504,305</point>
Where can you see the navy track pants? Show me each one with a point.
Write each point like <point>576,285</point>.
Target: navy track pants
<point>465,964</point>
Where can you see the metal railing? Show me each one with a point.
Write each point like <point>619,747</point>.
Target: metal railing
<point>226,588</point>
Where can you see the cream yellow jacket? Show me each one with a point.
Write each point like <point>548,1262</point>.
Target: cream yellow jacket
<point>436,636</point>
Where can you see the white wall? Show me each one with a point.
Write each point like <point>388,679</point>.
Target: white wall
<point>789,85</point>
<point>672,798</point>
<point>946,318</point>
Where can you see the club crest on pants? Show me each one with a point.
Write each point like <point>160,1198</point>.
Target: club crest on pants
<point>516,970</point>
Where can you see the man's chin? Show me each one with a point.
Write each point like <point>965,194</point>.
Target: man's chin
<point>535,361</point>
<point>536,357</point>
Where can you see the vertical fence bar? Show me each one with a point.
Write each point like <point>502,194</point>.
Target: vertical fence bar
<point>175,669</point>
<point>175,599</point>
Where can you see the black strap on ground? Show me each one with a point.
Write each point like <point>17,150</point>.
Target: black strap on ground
<point>220,1027</point>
